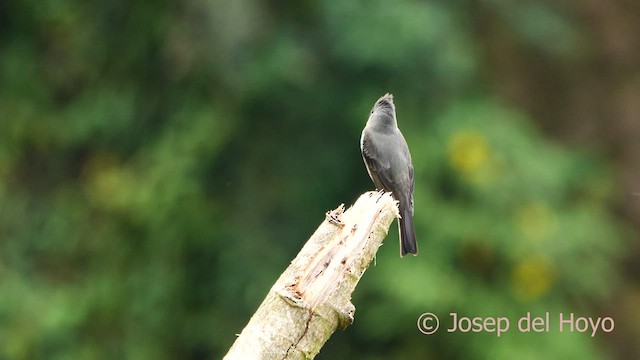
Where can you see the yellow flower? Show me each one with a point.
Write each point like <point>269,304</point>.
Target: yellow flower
<point>108,183</point>
<point>469,153</point>
<point>532,277</point>
<point>537,221</point>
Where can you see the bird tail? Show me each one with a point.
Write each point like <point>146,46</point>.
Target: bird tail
<point>408,242</point>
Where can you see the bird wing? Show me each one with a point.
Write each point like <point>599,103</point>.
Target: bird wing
<point>379,171</point>
<point>411,182</point>
<point>411,186</point>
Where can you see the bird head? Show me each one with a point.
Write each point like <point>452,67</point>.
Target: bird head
<point>384,111</point>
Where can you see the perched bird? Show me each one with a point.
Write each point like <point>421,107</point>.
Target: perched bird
<point>388,161</point>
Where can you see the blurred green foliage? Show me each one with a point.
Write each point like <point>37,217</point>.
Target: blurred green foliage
<point>161,163</point>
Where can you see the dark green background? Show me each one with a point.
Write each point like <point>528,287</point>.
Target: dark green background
<point>162,162</point>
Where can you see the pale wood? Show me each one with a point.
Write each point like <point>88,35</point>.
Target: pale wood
<point>312,298</point>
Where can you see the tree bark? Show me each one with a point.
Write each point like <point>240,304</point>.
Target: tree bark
<point>312,298</point>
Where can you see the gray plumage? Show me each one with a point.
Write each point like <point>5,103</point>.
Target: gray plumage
<point>388,161</point>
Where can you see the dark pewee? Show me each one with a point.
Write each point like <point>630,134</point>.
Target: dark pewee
<point>388,161</point>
